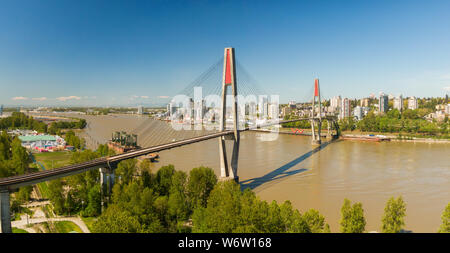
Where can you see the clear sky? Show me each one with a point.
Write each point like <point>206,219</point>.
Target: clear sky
<point>89,52</point>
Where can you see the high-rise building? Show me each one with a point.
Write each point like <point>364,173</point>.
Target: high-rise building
<point>398,103</point>
<point>200,109</point>
<point>1,110</point>
<point>336,102</point>
<point>412,103</point>
<point>140,110</point>
<point>286,110</point>
<point>383,103</point>
<point>345,108</point>
<point>263,107</point>
<point>365,102</point>
<point>358,112</point>
<point>273,111</point>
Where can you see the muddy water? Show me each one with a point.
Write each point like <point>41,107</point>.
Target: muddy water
<point>289,168</point>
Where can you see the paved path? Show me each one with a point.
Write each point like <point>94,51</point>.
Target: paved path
<point>23,222</point>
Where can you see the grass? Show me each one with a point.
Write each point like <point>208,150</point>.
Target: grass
<point>53,159</point>
<point>43,189</point>
<point>66,227</point>
<point>89,221</point>
<point>19,231</point>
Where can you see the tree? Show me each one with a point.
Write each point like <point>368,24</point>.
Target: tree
<point>23,195</point>
<point>316,222</point>
<point>94,204</point>
<point>394,213</point>
<point>20,157</point>
<point>126,170</point>
<point>352,218</point>
<point>201,182</point>
<point>164,179</point>
<point>179,208</point>
<point>117,220</point>
<point>56,195</point>
<point>445,226</point>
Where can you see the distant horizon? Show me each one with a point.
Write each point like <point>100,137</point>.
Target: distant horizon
<point>164,105</point>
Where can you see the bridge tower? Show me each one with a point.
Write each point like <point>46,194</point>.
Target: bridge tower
<point>316,118</point>
<point>229,80</point>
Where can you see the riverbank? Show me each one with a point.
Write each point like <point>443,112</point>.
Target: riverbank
<point>363,135</point>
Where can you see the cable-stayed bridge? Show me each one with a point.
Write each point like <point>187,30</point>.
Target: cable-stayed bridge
<point>226,126</point>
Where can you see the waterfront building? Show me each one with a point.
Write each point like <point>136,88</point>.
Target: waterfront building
<point>365,102</point>
<point>140,110</point>
<point>286,110</point>
<point>200,110</point>
<point>383,103</point>
<point>263,107</point>
<point>398,103</point>
<point>345,109</point>
<point>358,113</point>
<point>273,111</point>
<point>412,103</point>
<point>335,102</point>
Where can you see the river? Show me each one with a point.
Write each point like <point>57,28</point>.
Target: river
<point>290,168</point>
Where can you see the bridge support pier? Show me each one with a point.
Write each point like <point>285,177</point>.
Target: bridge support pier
<point>5,212</point>
<point>229,79</point>
<point>316,138</point>
<point>107,179</point>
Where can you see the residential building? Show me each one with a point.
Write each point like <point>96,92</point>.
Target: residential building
<point>398,103</point>
<point>383,103</point>
<point>345,109</point>
<point>412,103</point>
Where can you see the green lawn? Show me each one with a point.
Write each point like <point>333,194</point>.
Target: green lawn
<point>53,159</point>
<point>43,188</point>
<point>66,227</point>
<point>19,231</point>
<point>89,221</point>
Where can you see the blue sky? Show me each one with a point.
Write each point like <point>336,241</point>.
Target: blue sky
<point>88,52</point>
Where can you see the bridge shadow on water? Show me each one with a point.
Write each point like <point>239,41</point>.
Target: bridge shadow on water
<point>282,171</point>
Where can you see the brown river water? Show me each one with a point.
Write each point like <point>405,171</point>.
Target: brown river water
<point>290,168</point>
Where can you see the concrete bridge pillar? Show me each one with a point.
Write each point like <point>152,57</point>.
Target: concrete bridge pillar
<point>107,179</point>
<point>5,212</point>
<point>228,172</point>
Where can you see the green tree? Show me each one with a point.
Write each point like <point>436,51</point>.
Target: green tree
<point>117,220</point>
<point>352,217</point>
<point>23,195</point>
<point>394,213</point>
<point>178,204</point>
<point>316,222</point>
<point>163,179</point>
<point>201,182</point>
<point>445,226</point>
<point>94,204</point>
<point>126,170</point>
<point>56,195</point>
<point>20,157</point>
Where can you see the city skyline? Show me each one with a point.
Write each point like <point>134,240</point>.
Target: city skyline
<point>57,54</point>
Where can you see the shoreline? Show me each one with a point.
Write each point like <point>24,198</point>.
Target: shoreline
<point>392,138</point>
